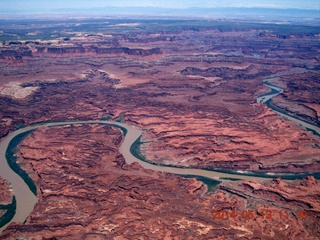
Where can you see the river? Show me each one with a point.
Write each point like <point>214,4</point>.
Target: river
<point>275,90</point>
<point>26,200</point>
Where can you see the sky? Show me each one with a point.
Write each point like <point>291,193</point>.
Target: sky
<point>57,4</point>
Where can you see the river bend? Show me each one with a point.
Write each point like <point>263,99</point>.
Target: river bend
<point>26,200</point>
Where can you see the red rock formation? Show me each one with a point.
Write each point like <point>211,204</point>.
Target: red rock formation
<point>300,97</point>
<point>87,191</point>
<point>221,116</point>
<point>5,192</point>
<point>194,94</point>
<point>6,196</point>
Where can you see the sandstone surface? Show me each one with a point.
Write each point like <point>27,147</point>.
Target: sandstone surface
<point>87,191</point>
<point>181,97</point>
<point>193,92</point>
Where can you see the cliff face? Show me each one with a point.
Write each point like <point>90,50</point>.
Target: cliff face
<point>6,193</point>
<point>138,52</point>
<point>31,48</point>
<point>300,97</point>
<point>226,73</point>
<point>7,204</point>
<point>63,50</point>
<point>102,50</point>
<point>15,54</point>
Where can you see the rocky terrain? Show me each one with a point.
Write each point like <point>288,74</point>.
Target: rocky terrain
<point>86,191</point>
<point>193,92</point>
<point>196,88</point>
<point>227,138</point>
<point>6,194</point>
<point>301,97</point>
<point>6,199</point>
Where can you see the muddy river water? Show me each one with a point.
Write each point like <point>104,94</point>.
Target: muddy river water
<point>26,200</point>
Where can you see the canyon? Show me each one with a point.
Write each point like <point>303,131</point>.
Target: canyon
<point>193,93</point>
<point>87,191</point>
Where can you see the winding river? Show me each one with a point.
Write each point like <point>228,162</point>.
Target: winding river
<point>275,90</point>
<point>26,200</point>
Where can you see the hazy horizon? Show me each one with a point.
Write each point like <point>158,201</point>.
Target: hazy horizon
<point>29,5</point>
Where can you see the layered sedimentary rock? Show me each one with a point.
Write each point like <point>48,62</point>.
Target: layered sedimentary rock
<point>15,54</point>
<point>286,210</point>
<point>301,96</point>
<point>6,198</point>
<point>193,92</point>
<point>5,192</point>
<point>87,191</point>
<point>31,49</point>
<point>230,129</point>
<point>100,50</point>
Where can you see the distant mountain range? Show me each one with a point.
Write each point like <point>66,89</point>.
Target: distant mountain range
<point>206,13</point>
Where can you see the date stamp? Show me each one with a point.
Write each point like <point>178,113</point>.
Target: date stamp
<point>263,214</point>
